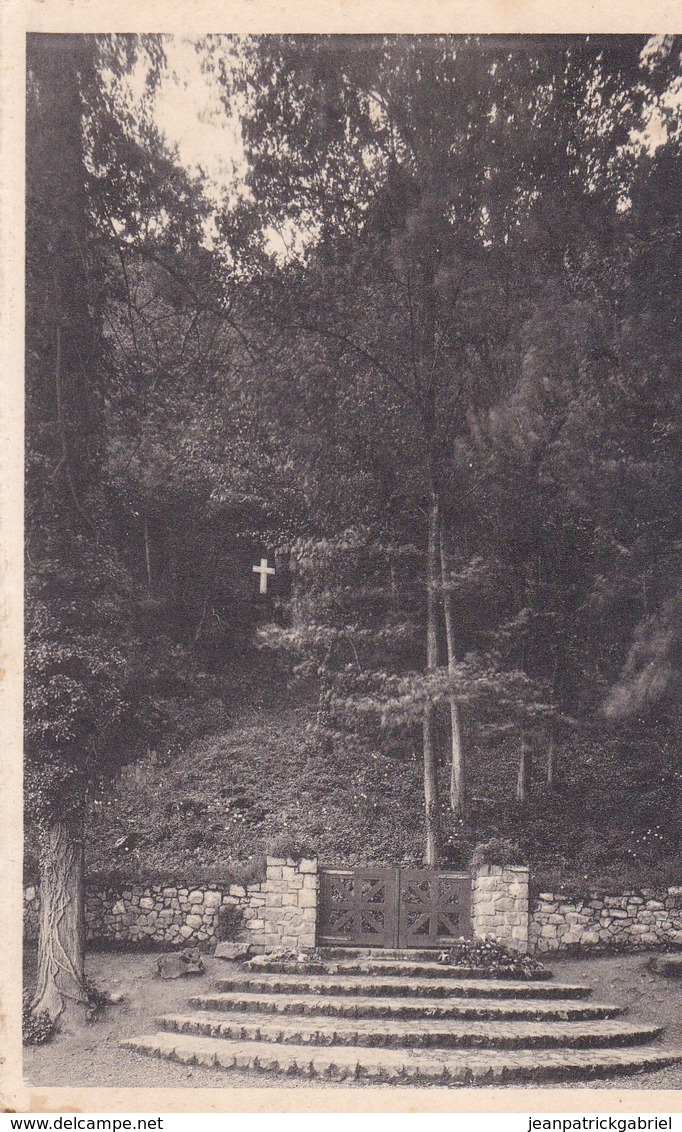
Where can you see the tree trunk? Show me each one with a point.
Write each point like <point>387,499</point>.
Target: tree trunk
<point>551,746</point>
<point>458,764</point>
<point>525,767</point>
<point>61,945</point>
<point>432,815</point>
<point>551,761</point>
<point>147,556</point>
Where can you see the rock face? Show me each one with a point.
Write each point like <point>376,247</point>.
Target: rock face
<point>179,963</point>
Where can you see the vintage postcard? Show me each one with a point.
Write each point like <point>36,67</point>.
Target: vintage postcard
<point>341,586</point>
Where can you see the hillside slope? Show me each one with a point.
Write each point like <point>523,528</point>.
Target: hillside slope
<point>230,794</point>
<point>613,817</point>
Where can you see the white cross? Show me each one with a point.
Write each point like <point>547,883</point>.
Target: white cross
<point>263,570</point>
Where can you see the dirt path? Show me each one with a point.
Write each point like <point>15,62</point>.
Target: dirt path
<point>90,1055</point>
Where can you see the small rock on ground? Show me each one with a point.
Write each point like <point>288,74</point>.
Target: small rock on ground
<point>176,964</point>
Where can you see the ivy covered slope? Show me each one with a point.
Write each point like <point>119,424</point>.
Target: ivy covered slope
<point>207,810</point>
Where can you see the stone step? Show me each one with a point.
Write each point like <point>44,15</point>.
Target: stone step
<point>359,1006</point>
<point>410,954</point>
<point>406,1034</point>
<point>421,969</point>
<point>401,986</point>
<point>437,1067</point>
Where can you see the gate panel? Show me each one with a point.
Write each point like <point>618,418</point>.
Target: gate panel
<point>434,908</point>
<point>386,907</point>
<point>358,907</point>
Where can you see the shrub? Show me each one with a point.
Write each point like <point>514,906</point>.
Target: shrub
<point>98,1000</point>
<point>287,845</point>
<point>495,959</point>
<point>36,1028</point>
<point>229,923</point>
<point>248,872</point>
<point>498,851</point>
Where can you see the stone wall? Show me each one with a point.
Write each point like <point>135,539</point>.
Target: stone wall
<point>281,912</point>
<point>164,914</point>
<point>644,917</point>
<point>499,904</point>
<point>278,912</point>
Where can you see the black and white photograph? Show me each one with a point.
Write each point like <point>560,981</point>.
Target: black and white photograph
<point>352,562</point>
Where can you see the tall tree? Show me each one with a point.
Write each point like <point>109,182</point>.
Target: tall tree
<point>419,183</point>
<point>73,678</point>
<point>85,166</point>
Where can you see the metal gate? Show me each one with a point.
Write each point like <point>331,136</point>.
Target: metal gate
<point>393,907</point>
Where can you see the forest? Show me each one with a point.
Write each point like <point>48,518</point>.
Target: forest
<point>421,350</point>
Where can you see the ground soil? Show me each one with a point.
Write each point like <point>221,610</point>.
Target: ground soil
<point>88,1053</point>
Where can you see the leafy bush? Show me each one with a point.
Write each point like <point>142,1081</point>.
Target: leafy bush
<point>98,1000</point>
<point>38,1028</point>
<point>229,922</point>
<point>497,851</point>
<point>248,872</point>
<point>288,845</point>
<point>495,959</point>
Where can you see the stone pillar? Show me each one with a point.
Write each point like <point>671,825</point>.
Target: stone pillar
<point>499,905</point>
<point>290,910</point>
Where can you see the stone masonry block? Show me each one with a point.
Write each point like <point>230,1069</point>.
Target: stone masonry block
<point>276,886</point>
<point>307,865</point>
<point>307,898</point>
<point>485,883</point>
